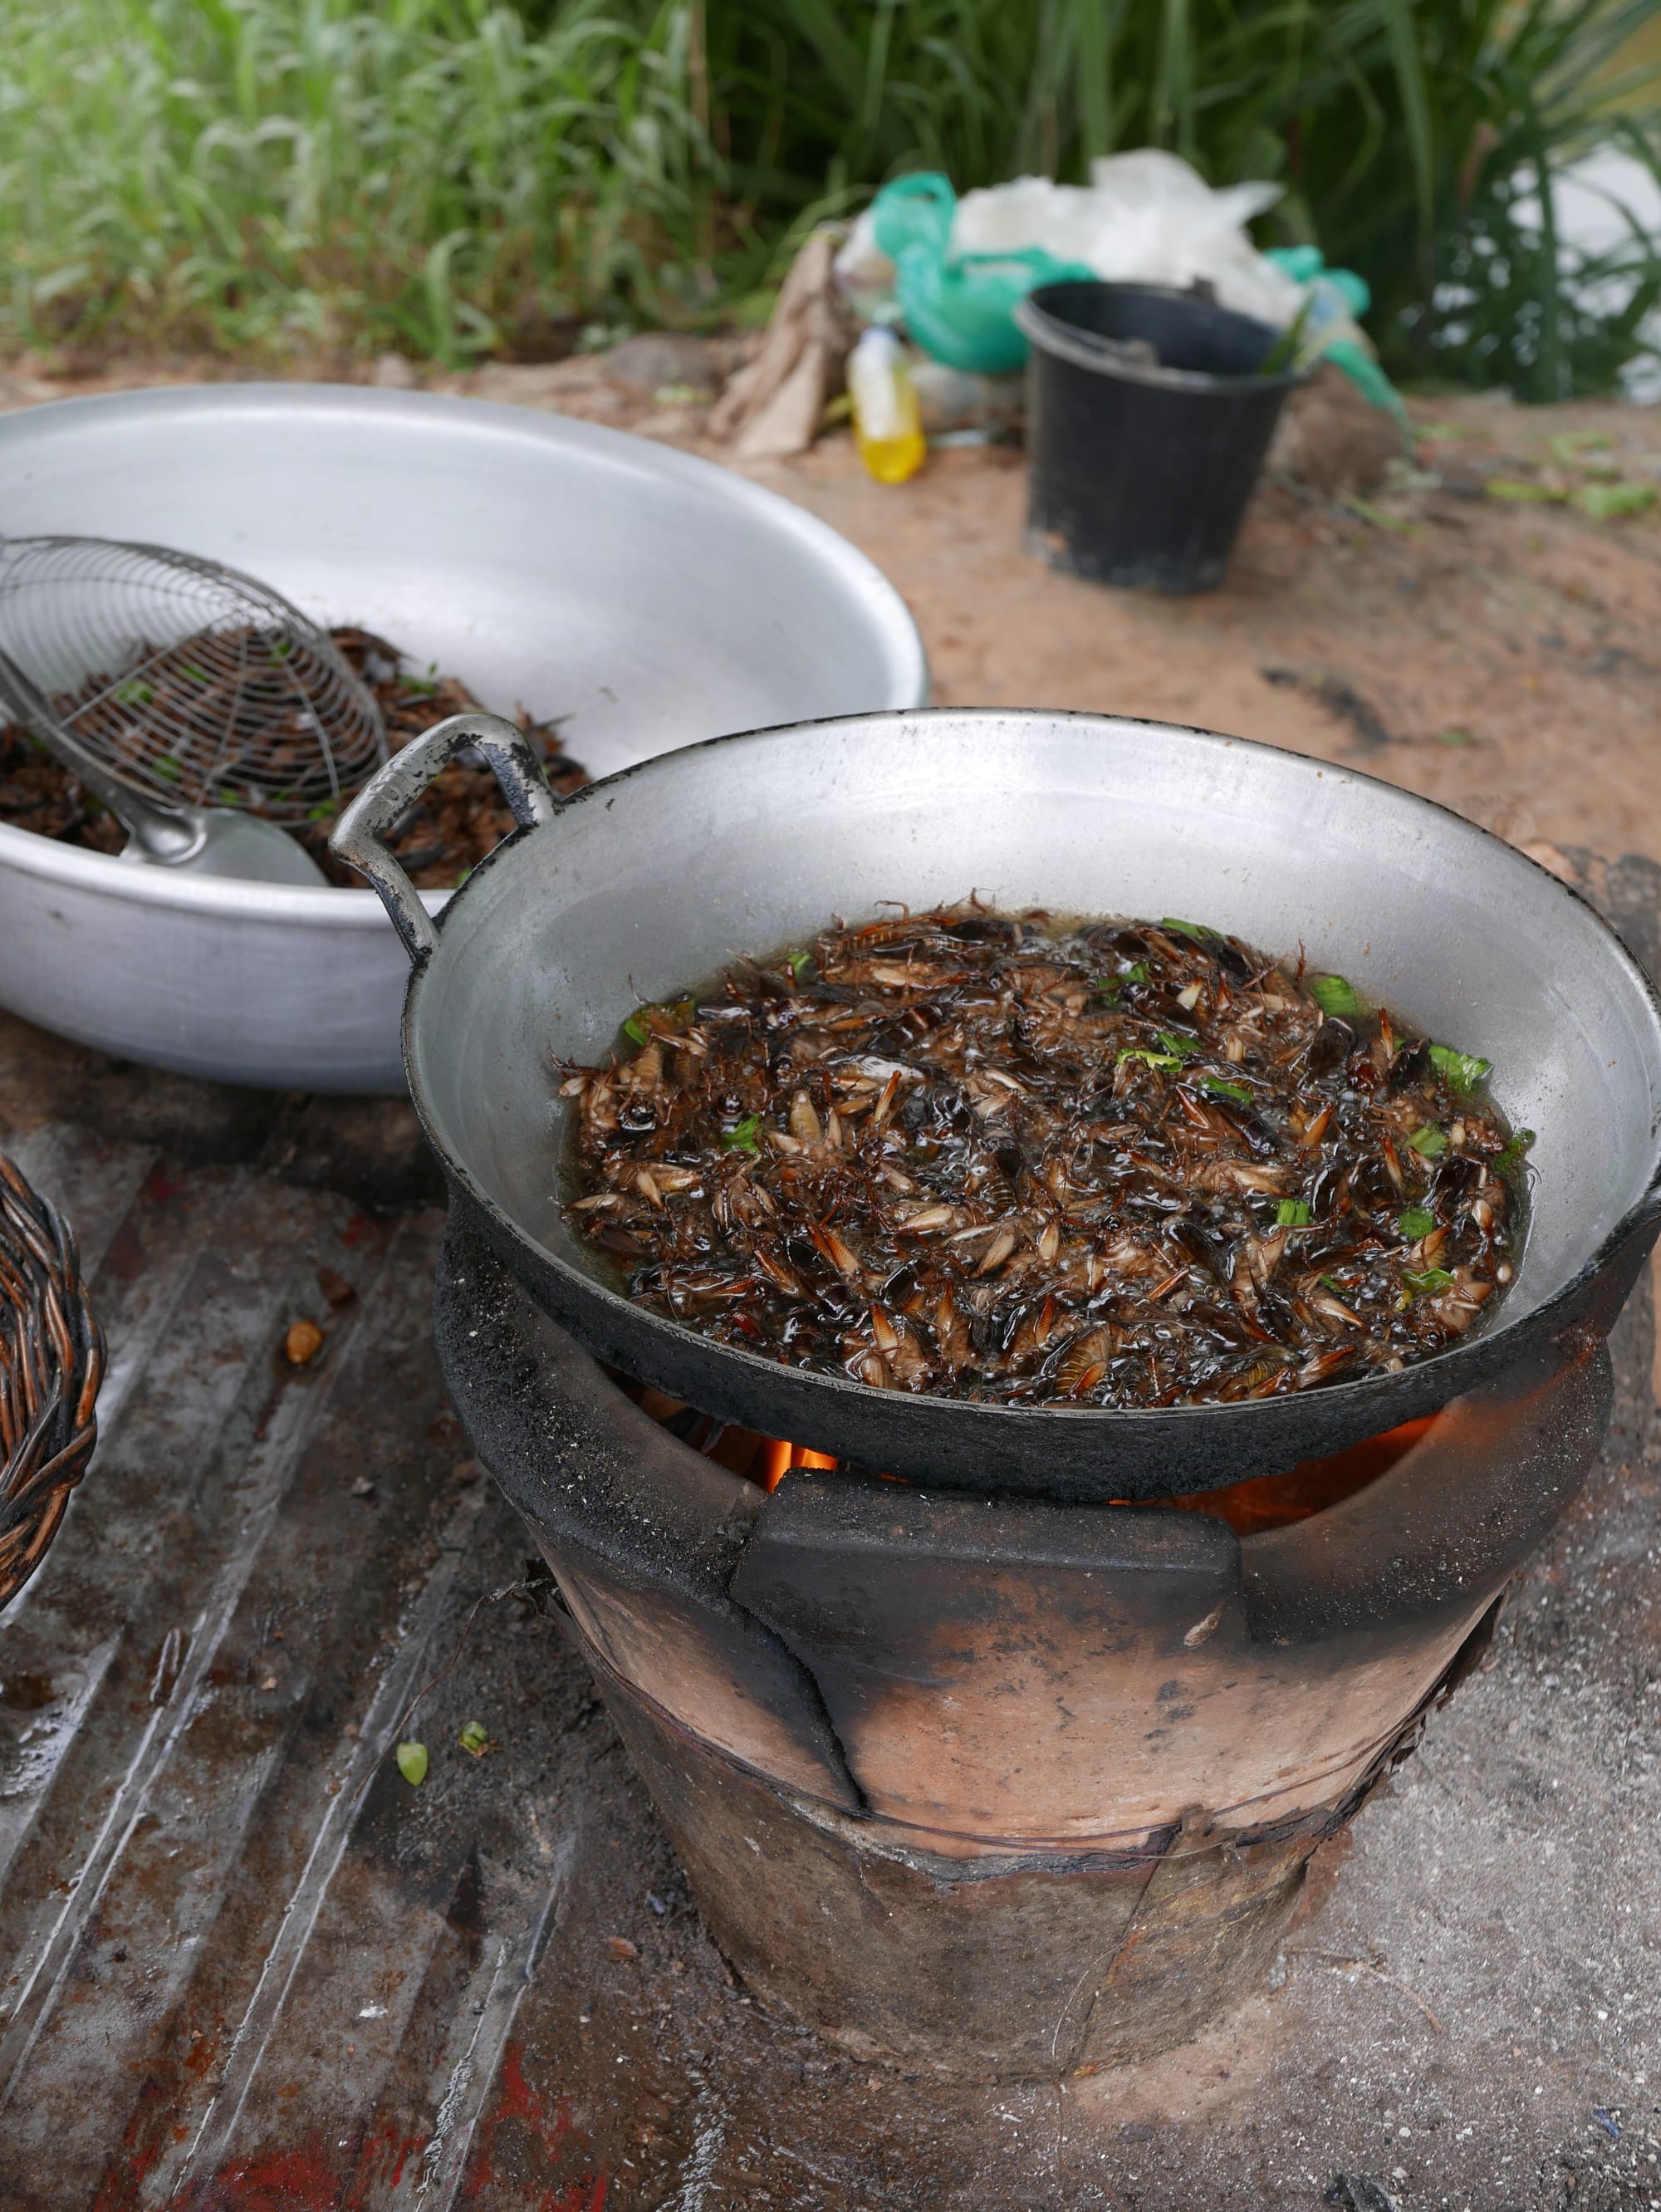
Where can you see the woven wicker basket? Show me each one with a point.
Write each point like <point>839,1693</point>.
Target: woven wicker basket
<point>51,1357</point>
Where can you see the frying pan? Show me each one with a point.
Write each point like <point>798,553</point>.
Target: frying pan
<point>651,881</point>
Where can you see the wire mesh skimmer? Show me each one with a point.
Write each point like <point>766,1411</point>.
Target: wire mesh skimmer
<point>191,682</point>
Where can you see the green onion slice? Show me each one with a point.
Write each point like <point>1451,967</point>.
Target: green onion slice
<point>1461,1070</point>
<point>1429,1144</point>
<point>743,1136</point>
<point>1333,995</point>
<point>676,1016</point>
<point>1293,1213</point>
<point>1417,1222</point>
<point>1510,1155</point>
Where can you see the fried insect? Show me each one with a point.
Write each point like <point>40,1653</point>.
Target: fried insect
<point>993,1156</point>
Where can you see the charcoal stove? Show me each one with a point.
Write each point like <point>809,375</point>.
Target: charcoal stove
<point>1006,1785</point>
<point>988,1769</point>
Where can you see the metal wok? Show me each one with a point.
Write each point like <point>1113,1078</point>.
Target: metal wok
<point>651,881</point>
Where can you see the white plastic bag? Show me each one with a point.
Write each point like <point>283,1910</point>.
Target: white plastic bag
<point>1145,217</point>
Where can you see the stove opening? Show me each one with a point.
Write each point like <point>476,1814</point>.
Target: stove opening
<point>1271,1501</point>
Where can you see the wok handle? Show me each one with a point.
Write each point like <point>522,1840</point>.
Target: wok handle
<point>360,835</point>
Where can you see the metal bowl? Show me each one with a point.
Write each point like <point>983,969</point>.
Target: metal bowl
<point>644,597</point>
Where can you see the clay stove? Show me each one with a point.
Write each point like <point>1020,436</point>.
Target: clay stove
<point>1006,1786</point>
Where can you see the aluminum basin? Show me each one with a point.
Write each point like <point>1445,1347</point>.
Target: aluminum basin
<point>647,599</point>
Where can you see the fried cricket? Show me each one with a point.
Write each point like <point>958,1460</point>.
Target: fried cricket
<point>1109,1164</point>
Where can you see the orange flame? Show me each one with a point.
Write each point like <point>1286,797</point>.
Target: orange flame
<point>1267,1502</point>
<point>778,1458</point>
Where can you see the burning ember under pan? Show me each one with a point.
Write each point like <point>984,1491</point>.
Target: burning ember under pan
<point>649,881</point>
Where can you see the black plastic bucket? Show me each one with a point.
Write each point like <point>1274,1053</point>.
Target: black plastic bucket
<point>1139,466</point>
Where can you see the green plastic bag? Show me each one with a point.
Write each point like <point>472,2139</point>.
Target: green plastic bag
<point>960,311</point>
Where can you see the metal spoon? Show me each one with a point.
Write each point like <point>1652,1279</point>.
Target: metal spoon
<point>201,841</point>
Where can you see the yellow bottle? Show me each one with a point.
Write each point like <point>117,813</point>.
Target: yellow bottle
<point>888,427</point>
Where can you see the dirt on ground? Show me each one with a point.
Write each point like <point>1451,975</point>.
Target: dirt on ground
<point>1499,657</point>
<point>1494,650</point>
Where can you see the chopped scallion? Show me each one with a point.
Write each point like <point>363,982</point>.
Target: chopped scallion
<point>677,1016</point>
<point>1511,1154</point>
<point>743,1136</point>
<point>1429,1144</point>
<point>1334,995</point>
<point>1293,1213</point>
<point>1461,1070</point>
<point>1219,1089</point>
<point>1430,1283</point>
<point>1197,930</point>
<point>1415,1222</point>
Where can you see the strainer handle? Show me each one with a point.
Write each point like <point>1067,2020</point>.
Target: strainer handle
<point>360,835</point>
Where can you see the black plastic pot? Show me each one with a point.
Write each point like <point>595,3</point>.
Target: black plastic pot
<point>1146,425</point>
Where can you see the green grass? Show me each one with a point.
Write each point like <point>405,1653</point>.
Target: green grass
<point>453,178</point>
<point>304,173</point>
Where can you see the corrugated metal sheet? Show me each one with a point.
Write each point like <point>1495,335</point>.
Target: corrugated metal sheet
<point>242,1964</point>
